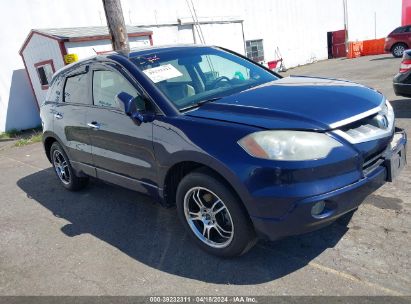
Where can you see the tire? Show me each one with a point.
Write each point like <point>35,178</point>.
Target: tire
<point>230,230</point>
<point>64,170</point>
<point>398,49</point>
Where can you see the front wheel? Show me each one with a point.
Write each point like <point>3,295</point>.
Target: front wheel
<point>213,215</point>
<point>398,50</point>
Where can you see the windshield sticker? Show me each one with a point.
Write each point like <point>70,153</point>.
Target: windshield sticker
<point>162,72</point>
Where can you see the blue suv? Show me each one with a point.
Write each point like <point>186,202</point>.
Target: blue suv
<point>240,151</point>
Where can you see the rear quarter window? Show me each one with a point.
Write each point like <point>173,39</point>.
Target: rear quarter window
<point>402,29</point>
<point>54,93</point>
<point>76,89</point>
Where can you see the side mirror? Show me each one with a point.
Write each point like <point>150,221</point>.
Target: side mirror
<point>128,105</point>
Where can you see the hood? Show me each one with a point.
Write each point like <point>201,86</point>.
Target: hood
<point>298,103</point>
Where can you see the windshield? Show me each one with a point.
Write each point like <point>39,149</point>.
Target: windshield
<point>189,77</point>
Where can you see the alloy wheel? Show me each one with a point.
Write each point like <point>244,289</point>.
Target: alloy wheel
<point>208,217</point>
<point>61,166</point>
<point>399,50</point>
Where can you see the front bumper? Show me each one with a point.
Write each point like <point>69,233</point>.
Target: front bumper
<point>388,45</point>
<point>338,202</point>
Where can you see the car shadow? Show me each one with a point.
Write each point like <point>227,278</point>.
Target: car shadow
<point>402,108</point>
<point>384,58</point>
<point>152,235</point>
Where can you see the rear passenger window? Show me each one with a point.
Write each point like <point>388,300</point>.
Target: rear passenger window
<point>398,30</point>
<point>402,29</point>
<point>107,84</point>
<point>76,89</point>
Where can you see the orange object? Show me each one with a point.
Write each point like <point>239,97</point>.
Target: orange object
<point>373,47</point>
<point>354,49</point>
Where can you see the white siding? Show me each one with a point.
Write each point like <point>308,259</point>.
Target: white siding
<point>172,34</point>
<point>228,35</point>
<point>39,49</point>
<point>136,42</point>
<point>86,49</point>
<point>299,28</point>
<point>372,20</point>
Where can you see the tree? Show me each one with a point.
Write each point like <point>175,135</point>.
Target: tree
<point>116,25</point>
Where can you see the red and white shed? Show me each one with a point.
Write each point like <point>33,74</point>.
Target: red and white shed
<point>46,50</point>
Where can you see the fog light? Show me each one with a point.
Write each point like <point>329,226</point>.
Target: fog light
<point>318,208</point>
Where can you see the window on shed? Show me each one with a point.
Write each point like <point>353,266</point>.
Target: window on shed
<point>45,73</point>
<point>255,50</point>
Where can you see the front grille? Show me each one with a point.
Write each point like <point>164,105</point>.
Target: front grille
<point>372,162</point>
<point>378,125</point>
<point>363,131</point>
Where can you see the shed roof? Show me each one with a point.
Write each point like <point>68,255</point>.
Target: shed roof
<point>77,34</point>
<point>90,31</point>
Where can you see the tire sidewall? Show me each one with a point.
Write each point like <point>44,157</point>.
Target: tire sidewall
<point>243,231</point>
<point>57,147</point>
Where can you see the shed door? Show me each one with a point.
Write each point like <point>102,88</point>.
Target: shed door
<point>338,44</point>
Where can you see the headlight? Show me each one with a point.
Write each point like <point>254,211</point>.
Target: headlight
<point>389,111</point>
<point>288,145</point>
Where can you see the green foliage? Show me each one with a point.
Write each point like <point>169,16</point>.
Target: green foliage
<point>29,140</point>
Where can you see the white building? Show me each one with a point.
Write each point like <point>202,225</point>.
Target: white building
<point>298,28</point>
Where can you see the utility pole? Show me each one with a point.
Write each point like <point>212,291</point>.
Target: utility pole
<point>345,8</point>
<point>116,25</point>
<point>375,25</point>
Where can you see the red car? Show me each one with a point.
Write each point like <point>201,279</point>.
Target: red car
<point>398,41</point>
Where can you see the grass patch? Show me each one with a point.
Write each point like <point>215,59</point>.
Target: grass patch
<point>9,134</point>
<point>36,137</point>
<point>24,137</point>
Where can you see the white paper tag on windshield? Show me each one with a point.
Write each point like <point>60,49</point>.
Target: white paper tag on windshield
<point>162,72</point>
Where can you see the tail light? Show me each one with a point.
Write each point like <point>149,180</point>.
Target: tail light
<point>405,65</point>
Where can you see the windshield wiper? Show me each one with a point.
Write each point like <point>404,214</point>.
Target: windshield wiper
<point>200,103</point>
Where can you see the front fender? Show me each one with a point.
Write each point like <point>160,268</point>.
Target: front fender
<point>209,143</point>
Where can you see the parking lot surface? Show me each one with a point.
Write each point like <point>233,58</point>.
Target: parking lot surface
<point>106,240</point>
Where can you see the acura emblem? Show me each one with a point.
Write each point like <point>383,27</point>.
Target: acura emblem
<point>382,121</point>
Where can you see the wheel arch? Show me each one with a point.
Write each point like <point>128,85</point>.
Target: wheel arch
<point>179,169</point>
<point>397,43</point>
<point>48,139</point>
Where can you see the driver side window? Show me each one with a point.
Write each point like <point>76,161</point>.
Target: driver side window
<point>107,84</point>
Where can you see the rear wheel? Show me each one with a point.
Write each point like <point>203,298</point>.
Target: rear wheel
<point>398,49</point>
<point>63,169</point>
<point>213,216</point>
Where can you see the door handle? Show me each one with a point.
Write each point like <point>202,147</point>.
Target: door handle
<point>58,115</point>
<point>94,125</point>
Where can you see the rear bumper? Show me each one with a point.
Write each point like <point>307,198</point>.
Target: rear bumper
<point>401,89</point>
<point>299,218</point>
